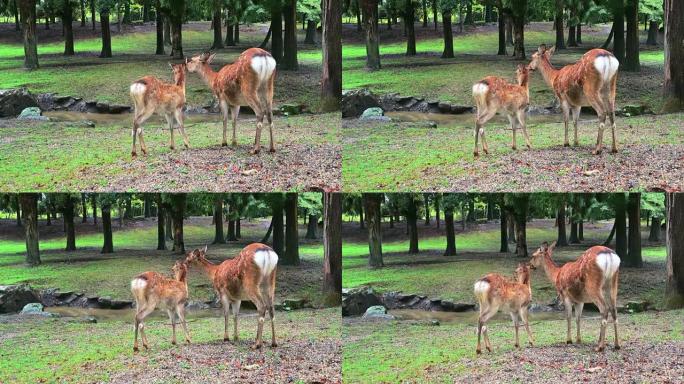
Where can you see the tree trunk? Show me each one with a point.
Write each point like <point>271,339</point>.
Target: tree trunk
<point>290,42</point>
<point>160,31</point>
<point>632,42</point>
<point>291,230</point>
<point>84,208</point>
<point>511,227</point>
<point>146,11</point>
<point>331,78</point>
<point>673,87</point>
<point>434,13</point>
<point>219,238</point>
<point>502,33</point>
<point>519,33</point>
<point>312,227</point>
<point>620,227</point>
<point>17,206</point>
<point>411,222</point>
<point>521,209</point>
<point>469,19</point>
<point>161,215</point>
<point>574,236</point>
<point>448,52</point>
<point>127,12</point>
<point>68,215</point>
<point>509,30</point>
<point>67,22</point>
<point>425,15</point>
<point>580,230</point>
<point>310,37</point>
<point>176,36</point>
<point>370,22</point>
<point>372,203</point>
<point>106,34</point>
<point>634,254</point>
<point>230,36</point>
<point>27,12</point>
<point>332,244</point>
<point>578,33</point>
<point>147,202</point>
<point>610,235</point>
<point>558,22</point>
<point>654,233</point>
<point>609,39</point>
<point>92,13</point>
<point>216,24</point>
<point>167,30</point>
<point>503,230</point>
<point>93,202</point>
<point>29,205</point>
<point>108,244</point>
<point>362,222</point>
<point>674,286</point>
<point>278,228</point>
<point>409,20</point>
<point>488,13</point>
<point>177,213</point>
<point>238,233</point>
<point>619,32</point>
<point>231,235</point>
<point>129,208</point>
<point>277,33</point>
<point>450,232</point>
<point>562,239</point>
<point>437,198</point>
<point>572,36</point>
<point>426,202</point>
<point>652,33</point>
<point>15,13</point>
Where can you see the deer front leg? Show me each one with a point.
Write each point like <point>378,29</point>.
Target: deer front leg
<point>178,114</point>
<point>511,119</point>
<point>575,120</point>
<point>236,311</point>
<point>172,142</point>
<point>180,310</point>
<point>578,314</point>
<point>516,324</point>
<point>568,316</point>
<point>140,318</point>
<point>524,315</point>
<point>566,116</point>
<point>520,114</point>
<point>257,139</point>
<point>223,105</point>
<point>172,318</point>
<point>234,112</point>
<point>226,311</point>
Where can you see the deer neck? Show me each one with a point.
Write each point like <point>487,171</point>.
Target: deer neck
<point>207,74</point>
<point>551,269</point>
<point>180,82</point>
<point>549,73</point>
<point>209,268</point>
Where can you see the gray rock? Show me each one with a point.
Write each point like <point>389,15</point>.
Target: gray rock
<point>104,302</point>
<point>120,304</point>
<point>637,306</point>
<point>196,305</point>
<point>116,108</point>
<point>355,301</point>
<point>14,297</point>
<point>291,304</point>
<point>32,113</point>
<point>291,109</point>
<point>32,308</point>
<point>373,112</point>
<point>13,101</point>
<point>377,312</point>
<point>356,101</point>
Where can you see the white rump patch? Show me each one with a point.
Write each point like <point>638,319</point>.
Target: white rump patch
<point>138,88</point>
<point>609,262</point>
<point>263,66</point>
<point>138,284</point>
<point>480,88</point>
<point>607,66</point>
<point>266,260</point>
<point>481,287</point>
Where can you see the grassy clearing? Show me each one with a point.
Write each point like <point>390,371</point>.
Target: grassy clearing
<point>408,156</point>
<point>451,278</point>
<point>427,75</point>
<point>92,78</point>
<point>417,352</point>
<point>59,156</point>
<point>88,271</point>
<point>56,350</point>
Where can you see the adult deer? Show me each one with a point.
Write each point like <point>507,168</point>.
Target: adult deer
<point>590,81</point>
<point>493,94</point>
<point>494,292</point>
<point>248,81</point>
<point>152,289</point>
<point>584,281</point>
<point>151,95</point>
<point>250,276</point>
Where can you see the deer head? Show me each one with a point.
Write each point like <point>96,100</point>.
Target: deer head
<point>540,254</point>
<point>196,62</point>
<point>179,71</point>
<point>542,54</point>
<point>180,270</point>
<point>196,255</point>
<point>522,273</point>
<point>522,73</point>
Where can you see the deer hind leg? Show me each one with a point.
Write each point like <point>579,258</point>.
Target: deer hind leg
<point>516,324</point>
<point>520,114</point>
<point>234,112</point>
<point>169,121</point>
<point>613,307</point>
<point>485,315</point>
<point>139,119</point>
<point>603,309</point>
<point>512,120</point>
<point>524,316</point>
<point>268,289</point>
<point>140,320</point>
<point>257,139</point>
<point>172,318</point>
<point>178,114</point>
<point>575,120</point>
<point>226,311</point>
<point>236,310</point>
<point>180,310</point>
<point>484,115</point>
<point>269,118</point>
<point>597,104</point>
<point>565,107</point>
<point>578,317</point>
<point>568,316</point>
<point>223,105</point>
<point>611,111</point>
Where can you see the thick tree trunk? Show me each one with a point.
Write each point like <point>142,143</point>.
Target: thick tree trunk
<point>167,30</point>
<point>502,34</point>
<point>448,52</point>
<point>29,205</point>
<point>372,203</point>
<point>219,238</point>
<point>15,13</point>
<point>434,13</point>
<point>230,36</point>
<point>558,22</point>
<point>652,33</point>
<point>312,227</point>
<point>370,22</point>
<point>578,33</point>
<point>450,232</point>
<point>503,230</point>
<point>84,208</point>
<point>511,227</point>
<point>572,36</point>
<point>129,208</point>
<point>331,78</point>
<point>92,13</point>
<point>674,286</point>
<point>277,33</point>
<point>67,22</point>
<point>426,204</point>
<point>574,235</point>
<point>509,30</point>
<point>93,202</point>
<point>412,223</point>
<point>654,233</point>
<point>609,39</point>
<point>27,12</point>
<point>216,24</point>
<point>231,235</point>
<point>409,21</point>
<point>177,213</point>
<point>580,230</point>
<point>632,42</point>
<point>673,87</point>
<point>519,36</point>
<point>106,34</point>
<point>437,198</point>
<point>268,233</point>
<point>160,31</point>
<point>147,203</point>
<point>488,13</point>
<point>176,37</point>
<point>161,214</point>
<point>332,245</point>
<point>634,253</point>
<point>521,209</point>
<point>619,32</point>
<point>562,239</point>
<point>620,227</point>
<point>290,42</point>
<point>310,37</point>
<point>236,32</point>
<point>68,215</point>
<point>291,231</point>
<point>108,244</point>
<point>278,227</point>
<point>425,14</point>
<point>609,239</point>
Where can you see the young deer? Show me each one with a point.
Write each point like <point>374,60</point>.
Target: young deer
<point>493,94</point>
<point>583,281</point>
<point>590,81</point>
<point>251,275</point>
<point>494,292</point>
<point>151,95</point>
<point>248,81</point>
<point>152,289</point>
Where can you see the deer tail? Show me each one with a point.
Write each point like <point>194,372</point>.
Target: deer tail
<point>609,263</point>
<point>138,286</point>
<point>266,260</point>
<point>607,67</point>
<point>137,92</point>
<point>481,290</point>
<point>264,66</point>
<point>480,90</point>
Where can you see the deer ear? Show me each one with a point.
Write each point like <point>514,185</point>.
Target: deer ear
<point>551,50</point>
<point>541,48</point>
<point>205,249</point>
<point>171,65</point>
<point>552,246</point>
<point>211,58</point>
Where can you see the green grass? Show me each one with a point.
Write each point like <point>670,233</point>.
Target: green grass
<point>56,350</point>
<point>417,352</point>
<point>87,271</point>
<point>451,278</point>
<point>92,78</point>
<point>402,156</point>
<point>427,75</point>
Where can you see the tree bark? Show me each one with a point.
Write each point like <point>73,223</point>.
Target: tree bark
<point>67,22</point>
<point>673,87</point>
<point>448,52</point>
<point>521,209</point>
<point>277,33</point>
<point>176,36</point>
<point>161,214</point>
<point>177,213</point>
<point>372,203</point>
<point>450,232</point>
<point>108,244</point>
<point>558,22</point>
<point>620,226</point>
<point>310,37</point>
<point>519,11</point>
<point>634,253</point>
<point>290,41</point>
<point>216,24</point>
<point>68,215</point>
<point>92,13</point>
<point>619,31</point>
<point>331,78</point>
<point>437,198</point>
<point>609,239</point>
<point>425,15</point>
<point>167,30</point>
<point>219,238</point>
<point>312,227</point>
<point>15,13</point>
<point>29,205</point>
<point>578,33</point>
<point>27,12</point>
<point>654,233</point>
<point>562,239</point>
<point>503,229</point>
<point>278,227</point>
<point>411,222</point>
<point>106,34</point>
<point>409,21</point>
<point>674,286</point>
<point>332,245</point>
<point>93,202</point>
<point>652,33</point>
<point>502,33</point>
<point>632,42</point>
<point>84,208</point>
<point>291,230</point>
<point>370,22</point>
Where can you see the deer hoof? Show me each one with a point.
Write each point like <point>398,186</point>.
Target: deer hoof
<point>272,150</point>
<point>173,342</point>
<point>146,346</point>
<point>274,345</point>
<point>226,339</point>
<point>224,144</point>
<point>133,154</point>
<point>566,144</point>
<point>614,150</point>
<point>617,347</point>
<point>256,346</point>
<point>233,144</point>
<point>489,349</point>
<point>568,342</point>
<point>255,151</point>
<point>476,154</point>
<point>596,152</point>
<point>135,349</point>
<point>599,349</point>
<point>517,346</point>
<point>478,352</point>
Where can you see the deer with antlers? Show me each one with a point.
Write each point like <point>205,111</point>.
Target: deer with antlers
<point>590,81</point>
<point>151,95</point>
<point>251,275</point>
<point>248,81</point>
<point>493,94</point>
<point>152,290</point>
<point>494,292</point>
<point>584,281</point>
